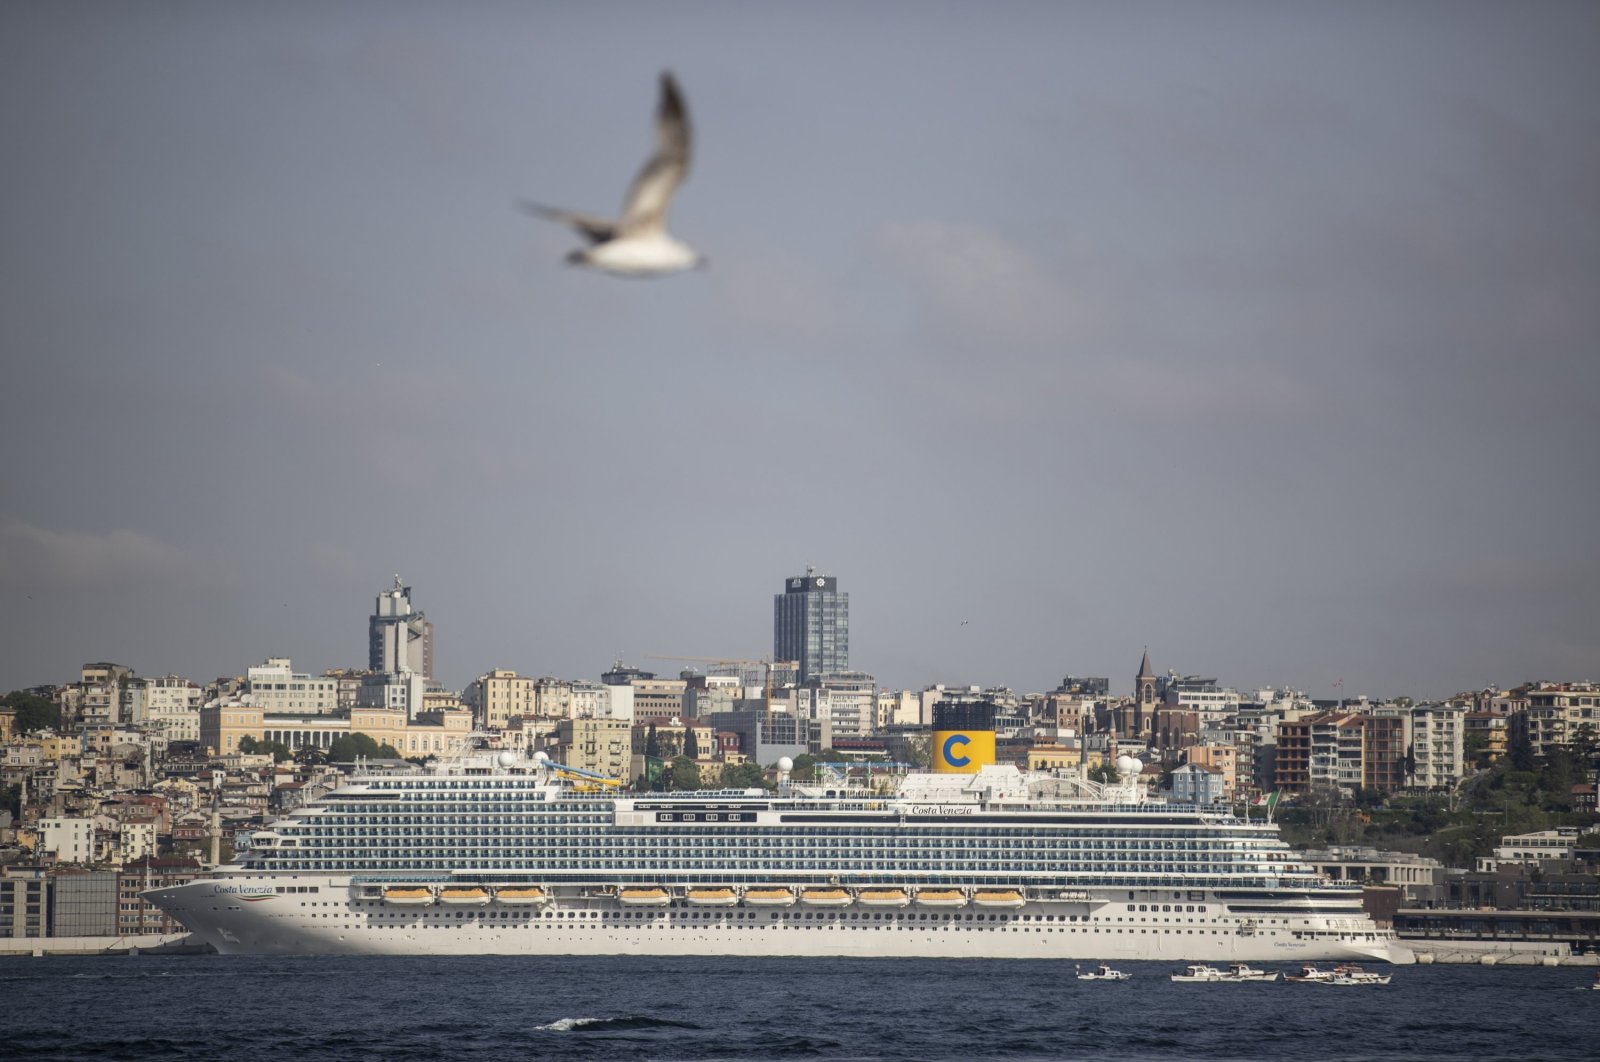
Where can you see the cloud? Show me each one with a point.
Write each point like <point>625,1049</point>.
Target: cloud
<point>41,558</point>
<point>971,278</point>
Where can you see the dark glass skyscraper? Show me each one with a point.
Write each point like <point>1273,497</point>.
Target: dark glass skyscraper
<point>811,625</point>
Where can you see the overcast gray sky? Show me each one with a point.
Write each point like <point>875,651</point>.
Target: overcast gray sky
<point>1262,334</point>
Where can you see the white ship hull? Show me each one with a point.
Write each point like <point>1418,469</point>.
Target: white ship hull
<point>237,915</point>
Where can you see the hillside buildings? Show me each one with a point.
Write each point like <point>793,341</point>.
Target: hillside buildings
<point>141,772</point>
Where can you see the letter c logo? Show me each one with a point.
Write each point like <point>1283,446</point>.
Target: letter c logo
<point>949,750</point>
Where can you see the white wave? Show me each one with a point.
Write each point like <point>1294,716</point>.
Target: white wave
<point>568,1024</point>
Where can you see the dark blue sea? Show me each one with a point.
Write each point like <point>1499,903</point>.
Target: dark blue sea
<point>463,1009</point>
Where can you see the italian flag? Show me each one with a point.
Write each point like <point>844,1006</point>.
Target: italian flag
<point>1269,799</point>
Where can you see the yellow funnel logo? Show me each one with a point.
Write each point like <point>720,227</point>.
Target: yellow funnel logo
<point>962,751</point>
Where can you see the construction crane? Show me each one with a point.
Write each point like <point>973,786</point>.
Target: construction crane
<point>767,663</point>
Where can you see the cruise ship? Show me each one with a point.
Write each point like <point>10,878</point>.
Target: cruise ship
<point>501,854</point>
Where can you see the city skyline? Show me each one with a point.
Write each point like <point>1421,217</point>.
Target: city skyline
<point>1262,337</point>
<point>395,602</point>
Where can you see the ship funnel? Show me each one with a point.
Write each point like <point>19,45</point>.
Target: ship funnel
<point>963,737</point>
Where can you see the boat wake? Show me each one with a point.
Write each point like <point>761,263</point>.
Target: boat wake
<point>632,1021</point>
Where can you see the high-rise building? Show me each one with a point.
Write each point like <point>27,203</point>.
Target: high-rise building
<point>399,639</point>
<point>811,625</point>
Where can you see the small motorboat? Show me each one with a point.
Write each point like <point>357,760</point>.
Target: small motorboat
<point>1351,974</point>
<point>1310,975</point>
<point>1199,973</point>
<point>1238,971</point>
<point>1102,973</point>
<point>1235,973</point>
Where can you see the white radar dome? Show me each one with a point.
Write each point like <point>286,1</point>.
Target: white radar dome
<point>1128,766</point>
<point>506,758</point>
<point>541,756</point>
<point>785,763</point>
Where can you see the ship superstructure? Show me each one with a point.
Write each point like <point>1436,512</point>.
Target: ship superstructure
<point>496,854</point>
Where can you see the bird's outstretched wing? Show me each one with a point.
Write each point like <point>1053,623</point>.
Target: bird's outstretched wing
<point>645,209</point>
<point>593,229</point>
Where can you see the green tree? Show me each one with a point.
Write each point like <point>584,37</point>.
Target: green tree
<point>33,711</point>
<point>652,744</point>
<point>919,751</point>
<point>1586,743</point>
<point>1105,772</point>
<point>276,749</point>
<point>1367,797</point>
<point>744,776</point>
<point>1475,749</point>
<point>681,773</point>
<point>347,748</point>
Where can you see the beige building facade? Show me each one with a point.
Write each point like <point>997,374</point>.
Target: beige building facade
<point>500,696</point>
<point>600,745</point>
<point>431,734</point>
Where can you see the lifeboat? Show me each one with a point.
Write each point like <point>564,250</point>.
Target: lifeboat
<point>882,897</point>
<point>768,897</point>
<point>998,898</point>
<point>468,896</point>
<point>520,894</point>
<point>646,896</point>
<point>829,897</point>
<point>941,898</point>
<point>416,896</point>
<point>712,897</point>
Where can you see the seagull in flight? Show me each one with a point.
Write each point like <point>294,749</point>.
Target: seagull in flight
<point>638,245</point>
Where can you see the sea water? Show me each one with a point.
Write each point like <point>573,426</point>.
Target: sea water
<point>462,1009</point>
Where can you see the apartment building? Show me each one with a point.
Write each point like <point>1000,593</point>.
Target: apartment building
<point>1558,715</point>
<point>276,687</point>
